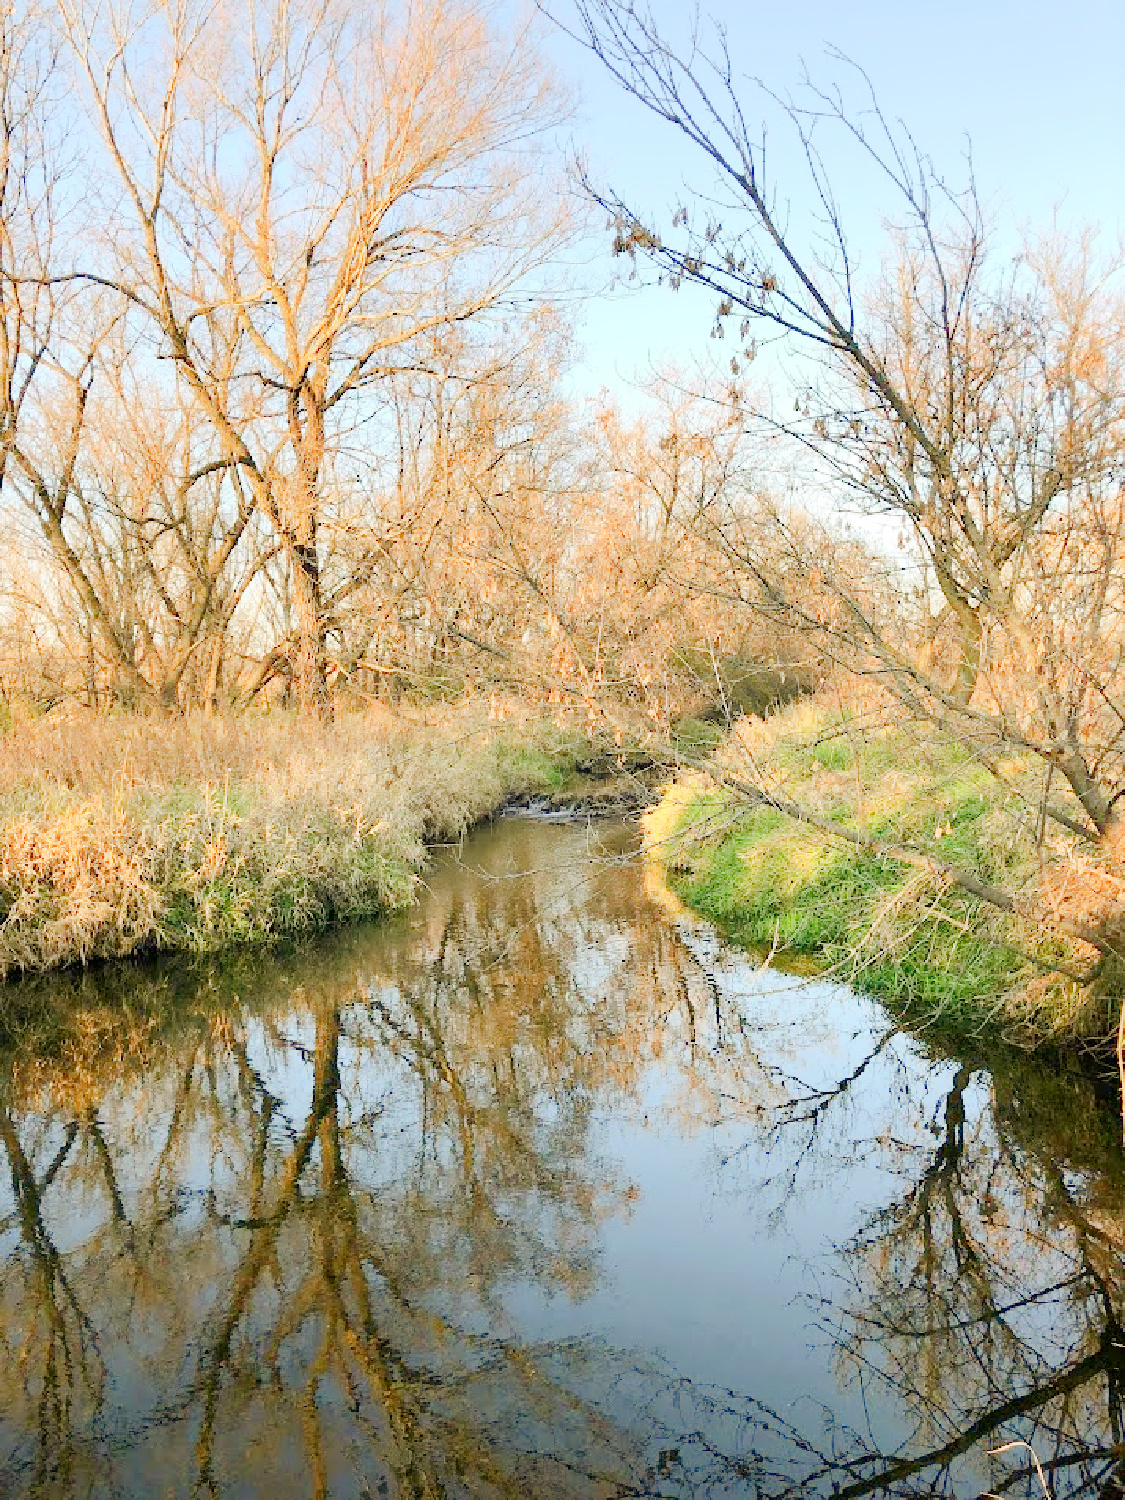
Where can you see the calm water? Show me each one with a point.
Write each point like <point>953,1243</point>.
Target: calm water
<point>541,1190</point>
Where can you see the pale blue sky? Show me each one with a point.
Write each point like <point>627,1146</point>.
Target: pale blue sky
<point>1037,88</point>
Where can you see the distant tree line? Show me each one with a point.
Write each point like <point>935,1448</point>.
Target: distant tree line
<point>281,387</point>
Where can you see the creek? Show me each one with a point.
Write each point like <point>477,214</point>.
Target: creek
<point>541,1189</point>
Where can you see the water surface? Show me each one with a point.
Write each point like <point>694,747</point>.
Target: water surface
<point>542,1190</point>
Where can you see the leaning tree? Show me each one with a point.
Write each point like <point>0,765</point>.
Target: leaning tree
<point>978,402</point>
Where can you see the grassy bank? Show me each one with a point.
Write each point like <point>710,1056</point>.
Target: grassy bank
<point>914,939</point>
<point>125,835</point>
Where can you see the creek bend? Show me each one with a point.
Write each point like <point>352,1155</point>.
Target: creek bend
<point>543,1190</point>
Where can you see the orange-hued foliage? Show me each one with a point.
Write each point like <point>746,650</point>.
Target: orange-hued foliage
<point>286,416</point>
<point>284,409</point>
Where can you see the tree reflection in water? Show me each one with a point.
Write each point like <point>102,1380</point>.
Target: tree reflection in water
<point>263,1242</point>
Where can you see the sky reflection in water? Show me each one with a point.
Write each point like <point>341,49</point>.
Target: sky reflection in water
<point>541,1191</point>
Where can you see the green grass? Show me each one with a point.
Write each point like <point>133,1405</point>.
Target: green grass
<point>529,768</point>
<point>693,736</point>
<point>769,887</point>
<point>922,945</point>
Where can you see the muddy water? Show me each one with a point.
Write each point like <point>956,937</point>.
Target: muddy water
<point>542,1190</point>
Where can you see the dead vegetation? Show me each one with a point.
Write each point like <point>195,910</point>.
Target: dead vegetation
<point>144,834</point>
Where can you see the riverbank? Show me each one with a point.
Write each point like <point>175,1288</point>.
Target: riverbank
<point>935,954</point>
<point>531,1087</point>
<point>131,834</point>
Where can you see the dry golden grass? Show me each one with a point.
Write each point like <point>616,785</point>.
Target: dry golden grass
<point>137,833</point>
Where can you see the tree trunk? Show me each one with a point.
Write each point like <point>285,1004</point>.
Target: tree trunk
<point>968,661</point>
<point>310,666</point>
<point>970,636</point>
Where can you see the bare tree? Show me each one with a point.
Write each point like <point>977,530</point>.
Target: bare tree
<point>305,193</point>
<point>980,406</point>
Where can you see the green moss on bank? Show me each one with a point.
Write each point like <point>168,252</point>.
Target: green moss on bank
<point>918,942</point>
